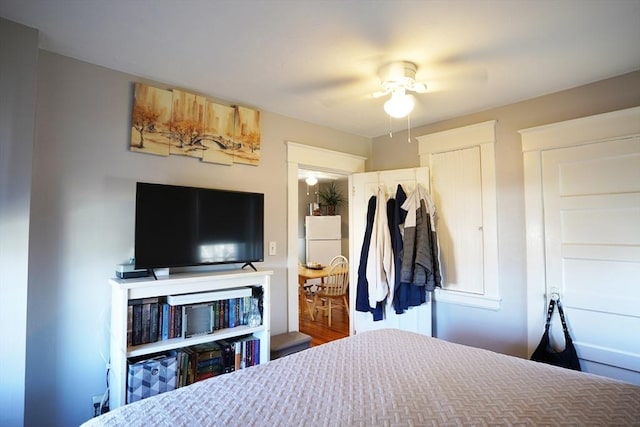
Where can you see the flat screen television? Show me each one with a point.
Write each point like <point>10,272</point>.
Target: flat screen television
<point>178,226</point>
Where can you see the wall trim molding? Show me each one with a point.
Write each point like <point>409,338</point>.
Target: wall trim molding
<point>307,156</point>
<point>598,128</point>
<point>482,135</point>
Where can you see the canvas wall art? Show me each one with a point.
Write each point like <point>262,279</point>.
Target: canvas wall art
<point>151,120</point>
<point>176,122</point>
<point>218,133</point>
<point>187,124</point>
<point>247,136</point>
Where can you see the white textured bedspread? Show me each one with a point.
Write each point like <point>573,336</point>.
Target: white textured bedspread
<point>390,378</point>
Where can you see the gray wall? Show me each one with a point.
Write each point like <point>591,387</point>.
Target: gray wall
<point>82,224</point>
<point>18,59</point>
<point>505,330</point>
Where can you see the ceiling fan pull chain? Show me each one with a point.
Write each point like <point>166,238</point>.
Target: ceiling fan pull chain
<point>390,131</point>
<point>409,128</point>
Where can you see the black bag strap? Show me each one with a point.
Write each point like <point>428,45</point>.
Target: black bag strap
<point>561,312</point>
<point>552,305</point>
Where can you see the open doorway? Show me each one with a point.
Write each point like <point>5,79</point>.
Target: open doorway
<point>313,159</point>
<point>323,234</point>
<point>311,185</point>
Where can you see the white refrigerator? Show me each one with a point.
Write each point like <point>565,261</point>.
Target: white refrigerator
<point>323,238</point>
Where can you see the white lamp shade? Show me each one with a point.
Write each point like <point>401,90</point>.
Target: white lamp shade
<point>399,105</point>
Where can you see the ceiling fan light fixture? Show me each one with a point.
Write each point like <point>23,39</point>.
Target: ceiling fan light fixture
<point>399,105</point>
<point>311,180</point>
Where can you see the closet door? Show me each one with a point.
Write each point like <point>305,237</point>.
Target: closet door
<point>591,197</point>
<point>363,186</point>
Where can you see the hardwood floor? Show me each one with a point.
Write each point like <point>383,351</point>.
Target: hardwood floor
<point>319,329</point>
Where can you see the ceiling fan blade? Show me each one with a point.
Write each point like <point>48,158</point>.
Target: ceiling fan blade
<point>456,80</point>
<point>380,93</point>
<point>419,87</point>
<point>338,83</point>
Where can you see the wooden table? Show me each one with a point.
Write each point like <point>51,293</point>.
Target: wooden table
<point>305,274</point>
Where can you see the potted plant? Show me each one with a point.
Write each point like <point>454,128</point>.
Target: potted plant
<point>332,197</point>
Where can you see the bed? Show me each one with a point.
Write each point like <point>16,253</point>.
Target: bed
<point>390,377</point>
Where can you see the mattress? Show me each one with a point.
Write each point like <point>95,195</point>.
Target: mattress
<point>390,378</point>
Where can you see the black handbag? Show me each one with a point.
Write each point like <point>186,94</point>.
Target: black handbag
<point>567,358</point>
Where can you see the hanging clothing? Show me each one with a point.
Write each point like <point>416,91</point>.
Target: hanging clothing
<point>399,259</point>
<point>362,289</point>
<point>420,259</point>
<point>397,217</point>
<point>380,267</point>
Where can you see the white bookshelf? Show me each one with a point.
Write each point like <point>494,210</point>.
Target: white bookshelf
<point>123,290</point>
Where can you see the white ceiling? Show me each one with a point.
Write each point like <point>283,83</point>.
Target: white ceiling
<point>317,60</point>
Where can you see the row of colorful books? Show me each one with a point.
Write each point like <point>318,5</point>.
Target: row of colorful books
<point>153,319</point>
<point>202,361</point>
<point>151,375</point>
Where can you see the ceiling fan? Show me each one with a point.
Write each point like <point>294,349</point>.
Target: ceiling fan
<point>397,78</point>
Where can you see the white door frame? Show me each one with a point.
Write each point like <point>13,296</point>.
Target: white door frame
<point>308,157</point>
<point>587,130</point>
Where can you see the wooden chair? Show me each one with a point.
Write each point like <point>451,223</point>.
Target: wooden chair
<point>333,293</point>
<point>307,295</point>
<point>338,259</point>
<point>306,292</point>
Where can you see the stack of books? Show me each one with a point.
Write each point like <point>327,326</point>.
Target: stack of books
<point>142,324</point>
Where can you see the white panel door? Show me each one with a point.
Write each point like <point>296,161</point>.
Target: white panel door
<point>457,192</point>
<point>363,186</point>
<point>591,196</point>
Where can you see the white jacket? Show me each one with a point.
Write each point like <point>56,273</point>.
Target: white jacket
<point>380,268</point>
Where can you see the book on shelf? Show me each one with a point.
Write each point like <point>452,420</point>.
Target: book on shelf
<point>232,313</point>
<point>129,325</point>
<point>209,368</point>
<point>216,315</point>
<point>164,328</point>
<point>146,323</point>
<point>137,325</point>
<point>187,373</point>
<point>172,319</point>
<point>153,322</point>
<point>222,315</point>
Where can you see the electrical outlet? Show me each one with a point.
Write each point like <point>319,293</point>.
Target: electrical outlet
<point>95,405</point>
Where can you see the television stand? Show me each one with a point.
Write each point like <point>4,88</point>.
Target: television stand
<point>196,285</point>
<point>250,265</point>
